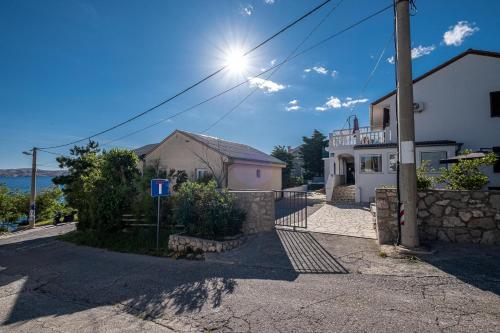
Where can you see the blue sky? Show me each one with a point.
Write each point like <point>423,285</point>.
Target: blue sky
<point>69,68</point>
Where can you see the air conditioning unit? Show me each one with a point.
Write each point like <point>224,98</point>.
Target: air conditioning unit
<point>418,107</point>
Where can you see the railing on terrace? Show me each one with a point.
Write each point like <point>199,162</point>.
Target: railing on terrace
<point>365,135</point>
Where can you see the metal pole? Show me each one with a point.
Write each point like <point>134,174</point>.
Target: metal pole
<point>406,135</point>
<point>32,212</point>
<point>158,226</point>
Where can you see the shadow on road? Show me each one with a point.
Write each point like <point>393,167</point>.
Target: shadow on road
<point>477,265</point>
<point>48,277</point>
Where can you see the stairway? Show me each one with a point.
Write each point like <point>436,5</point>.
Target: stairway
<point>344,193</point>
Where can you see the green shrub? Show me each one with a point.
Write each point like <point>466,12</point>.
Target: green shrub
<point>207,212</point>
<point>465,175</point>
<point>424,181</point>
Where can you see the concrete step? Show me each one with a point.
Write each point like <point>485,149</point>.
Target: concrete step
<point>344,193</point>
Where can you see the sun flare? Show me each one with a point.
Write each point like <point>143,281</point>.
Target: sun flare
<point>236,61</point>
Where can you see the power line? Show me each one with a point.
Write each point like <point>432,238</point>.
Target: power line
<point>274,71</point>
<point>194,84</point>
<point>321,42</point>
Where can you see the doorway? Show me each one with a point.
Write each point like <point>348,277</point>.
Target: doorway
<point>349,176</point>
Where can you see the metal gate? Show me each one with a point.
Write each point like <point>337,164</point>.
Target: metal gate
<point>290,208</point>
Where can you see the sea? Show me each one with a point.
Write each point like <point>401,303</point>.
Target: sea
<point>23,184</point>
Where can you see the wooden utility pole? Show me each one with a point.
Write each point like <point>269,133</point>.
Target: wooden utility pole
<point>406,134</point>
<point>32,213</point>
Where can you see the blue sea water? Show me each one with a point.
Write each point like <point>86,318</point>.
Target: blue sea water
<point>24,183</point>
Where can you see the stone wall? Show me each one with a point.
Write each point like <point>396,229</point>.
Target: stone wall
<point>181,243</point>
<point>259,206</point>
<point>444,215</point>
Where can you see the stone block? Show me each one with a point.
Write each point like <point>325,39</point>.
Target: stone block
<point>382,204</point>
<point>477,213</point>
<point>452,221</point>
<point>430,199</point>
<point>490,237</point>
<point>478,195</point>
<point>485,223</point>
<point>442,202</point>
<point>452,195</point>
<point>423,213</point>
<point>463,238</point>
<point>435,222</point>
<point>465,216</point>
<point>495,201</point>
<point>436,211</point>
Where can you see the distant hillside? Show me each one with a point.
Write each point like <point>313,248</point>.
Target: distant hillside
<point>26,172</point>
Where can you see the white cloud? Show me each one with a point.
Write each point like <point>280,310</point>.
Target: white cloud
<point>333,102</point>
<point>293,105</point>
<point>269,2</point>
<point>421,51</point>
<point>416,52</point>
<point>266,85</point>
<point>334,73</point>
<point>456,34</point>
<point>292,108</point>
<point>318,69</point>
<point>350,102</point>
<point>273,62</point>
<point>247,10</point>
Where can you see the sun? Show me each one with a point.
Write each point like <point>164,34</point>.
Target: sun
<point>236,61</point>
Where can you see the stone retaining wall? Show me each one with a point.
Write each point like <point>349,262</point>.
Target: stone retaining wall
<point>181,243</point>
<point>259,206</point>
<point>444,215</point>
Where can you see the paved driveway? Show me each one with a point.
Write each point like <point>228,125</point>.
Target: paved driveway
<point>276,282</point>
<point>343,219</point>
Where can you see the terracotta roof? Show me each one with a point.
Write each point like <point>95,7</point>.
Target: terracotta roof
<point>443,65</point>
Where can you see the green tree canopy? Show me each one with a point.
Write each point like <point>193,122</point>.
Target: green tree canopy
<point>312,152</point>
<point>281,153</point>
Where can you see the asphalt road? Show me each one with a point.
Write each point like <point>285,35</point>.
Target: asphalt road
<point>278,282</point>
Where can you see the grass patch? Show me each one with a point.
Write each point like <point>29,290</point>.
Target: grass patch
<point>136,240</point>
<point>44,222</point>
<point>382,254</point>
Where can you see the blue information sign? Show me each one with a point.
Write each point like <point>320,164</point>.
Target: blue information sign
<point>159,187</point>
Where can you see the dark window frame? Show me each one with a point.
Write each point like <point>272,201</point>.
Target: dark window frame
<point>495,104</point>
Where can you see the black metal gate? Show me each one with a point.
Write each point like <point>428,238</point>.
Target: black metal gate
<point>290,208</point>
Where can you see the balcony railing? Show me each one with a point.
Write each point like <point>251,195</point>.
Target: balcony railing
<point>365,135</point>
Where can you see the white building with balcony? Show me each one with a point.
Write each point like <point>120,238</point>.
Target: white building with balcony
<point>457,106</point>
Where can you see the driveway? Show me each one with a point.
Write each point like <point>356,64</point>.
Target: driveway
<point>347,219</point>
<point>281,281</point>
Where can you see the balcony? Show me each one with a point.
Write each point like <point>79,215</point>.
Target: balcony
<point>365,135</point>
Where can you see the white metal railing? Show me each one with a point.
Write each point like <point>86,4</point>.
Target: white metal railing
<point>365,135</point>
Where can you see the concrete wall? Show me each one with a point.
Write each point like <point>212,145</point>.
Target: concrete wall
<point>243,176</point>
<point>450,216</point>
<point>457,105</point>
<point>260,209</point>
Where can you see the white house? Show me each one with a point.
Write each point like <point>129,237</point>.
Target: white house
<point>457,106</point>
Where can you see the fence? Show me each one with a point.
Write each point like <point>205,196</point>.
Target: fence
<point>291,208</point>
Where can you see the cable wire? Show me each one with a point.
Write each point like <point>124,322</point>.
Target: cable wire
<point>317,44</point>
<point>196,83</point>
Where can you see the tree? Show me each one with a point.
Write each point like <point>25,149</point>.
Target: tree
<point>281,153</point>
<point>312,153</point>
<point>465,175</point>
<point>80,183</point>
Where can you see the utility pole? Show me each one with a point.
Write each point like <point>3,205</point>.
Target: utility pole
<point>406,135</point>
<point>32,215</point>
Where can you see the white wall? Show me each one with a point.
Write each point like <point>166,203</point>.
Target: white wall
<point>457,105</point>
<point>243,176</point>
<point>368,182</point>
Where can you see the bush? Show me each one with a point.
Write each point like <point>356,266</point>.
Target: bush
<point>465,175</point>
<point>424,182</point>
<point>207,212</point>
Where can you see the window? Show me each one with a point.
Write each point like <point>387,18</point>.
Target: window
<point>258,173</point>
<point>200,173</point>
<point>371,163</point>
<point>433,158</point>
<point>386,117</point>
<point>495,103</point>
<point>393,162</point>
<point>496,166</point>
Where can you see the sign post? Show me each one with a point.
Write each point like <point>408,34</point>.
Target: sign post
<point>159,188</point>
